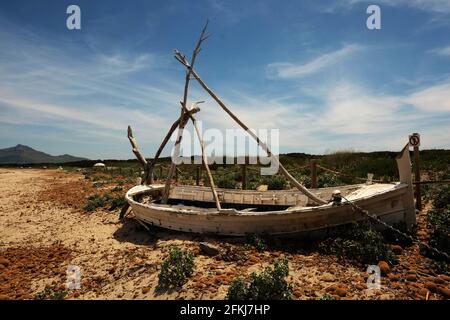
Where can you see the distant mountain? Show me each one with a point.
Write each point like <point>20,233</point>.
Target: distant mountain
<point>21,154</point>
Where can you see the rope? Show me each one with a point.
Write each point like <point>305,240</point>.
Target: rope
<point>355,207</point>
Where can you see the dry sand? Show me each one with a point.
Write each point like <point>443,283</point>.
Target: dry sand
<point>43,230</point>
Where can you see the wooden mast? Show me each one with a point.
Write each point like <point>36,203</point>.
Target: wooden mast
<point>185,111</point>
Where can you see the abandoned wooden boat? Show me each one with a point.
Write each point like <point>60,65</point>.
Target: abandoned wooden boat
<point>191,208</point>
<point>239,212</point>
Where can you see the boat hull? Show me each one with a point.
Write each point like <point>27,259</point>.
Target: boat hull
<point>391,203</point>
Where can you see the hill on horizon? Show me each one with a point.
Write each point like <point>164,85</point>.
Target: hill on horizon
<point>22,154</point>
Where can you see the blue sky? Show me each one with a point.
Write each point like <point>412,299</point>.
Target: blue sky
<point>308,68</point>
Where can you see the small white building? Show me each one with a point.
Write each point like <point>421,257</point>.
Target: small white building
<point>99,165</point>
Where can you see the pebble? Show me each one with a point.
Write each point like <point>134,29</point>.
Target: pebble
<point>360,287</point>
<point>445,277</point>
<point>444,291</point>
<point>423,292</point>
<point>341,292</point>
<point>431,286</point>
<point>384,267</point>
<point>397,249</point>
<point>394,277</point>
<point>327,277</point>
<point>438,280</point>
<point>411,277</point>
<point>4,262</point>
<point>209,249</point>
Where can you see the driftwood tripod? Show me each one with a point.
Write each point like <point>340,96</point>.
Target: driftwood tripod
<point>188,114</point>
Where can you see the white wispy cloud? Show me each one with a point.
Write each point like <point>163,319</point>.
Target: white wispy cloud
<point>292,70</point>
<point>431,99</point>
<point>445,51</point>
<point>120,63</point>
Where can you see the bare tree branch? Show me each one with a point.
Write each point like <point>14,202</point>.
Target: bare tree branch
<point>135,148</point>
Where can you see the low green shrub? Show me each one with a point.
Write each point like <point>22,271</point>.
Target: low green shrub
<point>326,296</point>
<point>360,242</point>
<point>176,269</point>
<point>270,284</point>
<point>275,182</point>
<point>237,290</point>
<point>96,201</point>
<point>328,180</point>
<point>394,237</point>
<point>50,294</point>
<point>256,241</point>
<point>439,218</point>
<point>438,221</point>
<point>117,202</point>
<point>441,198</point>
<point>226,181</point>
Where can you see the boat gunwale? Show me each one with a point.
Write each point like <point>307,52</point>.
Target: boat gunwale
<point>143,189</point>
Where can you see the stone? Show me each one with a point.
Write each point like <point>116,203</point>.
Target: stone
<point>298,293</point>
<point>360,286</point>
<point>384,267</point>
<point>341,292</point>
<point>444,291</point>
<point>209,249</point>
<point>4,262</point>
<point>445,277</point>
<point>423,292</point>
<point>394,277</point>
<point>145,290</point>
<point>411,277</point>
<point>438,280</point>
<point>431,286</point>
<point>397,249</point>
<point>327,277</point>
<point>331,288</point>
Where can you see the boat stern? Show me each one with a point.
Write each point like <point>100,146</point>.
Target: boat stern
<point>404,170</point>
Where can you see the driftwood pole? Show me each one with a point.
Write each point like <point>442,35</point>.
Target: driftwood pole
<point>184,110</point>
<point>135,148</point>
<point>148,175</point>
<point>283,170</point>
<point>205,163</point>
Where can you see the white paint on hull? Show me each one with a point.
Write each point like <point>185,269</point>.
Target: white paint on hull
<point>387,201</point>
